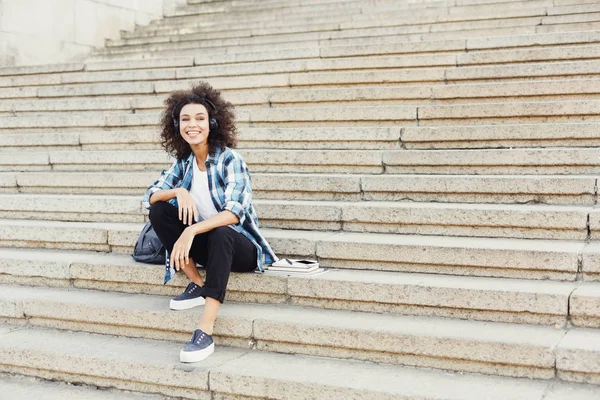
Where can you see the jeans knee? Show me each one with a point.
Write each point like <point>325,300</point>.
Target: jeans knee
<point>219,233</point>
<point>220,237</point>
<point>157,211</point>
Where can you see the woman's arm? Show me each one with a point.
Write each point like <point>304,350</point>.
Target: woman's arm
<point>223,218</point>
<point>168,180</point>
<point>188,213</point>
<point>238,187</point>
<point>163,195</point>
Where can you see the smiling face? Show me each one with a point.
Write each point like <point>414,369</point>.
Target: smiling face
<point>194,125</point>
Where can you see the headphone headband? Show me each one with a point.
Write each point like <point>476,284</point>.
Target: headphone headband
<point>194,100</point>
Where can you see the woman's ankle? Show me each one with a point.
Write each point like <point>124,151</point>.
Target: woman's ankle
<point>198,282</point>
<point>206,328</point>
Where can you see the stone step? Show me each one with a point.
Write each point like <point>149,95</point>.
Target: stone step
<point>512,258</point>
<point>385,12</point>
<point>42,69</point>
<point>500,136</point>
<point>484,299</point>
<point>323,32</point>
<point>500,161</point>
<point>545,161</point>
<point>480,11</point>
<point>256,16</point>
<point>508,113</point>
<point>250,5</point>
<point>585,301</point>
<point>290,70</point>
<point>21,387</point>
<point>199,12</point>
<point>328,42</point>
<point>319,138</point>
<point>78,208</point>
<point>537,55</point>
<point>380,116</point>
<point>592,262</point>
<point>326,38</point>
<point>273,4</point>
<point>428,47</point>
<point>71,73</point>
<point>423,85</point>
<point>460,345</point>
<point>390,14</point>
<point>258,67</point>
<point>543,90</point>
<point>535,70</point>
<point>451,219</point>
<point>210,10</point>
<point>315,138</point>
<point>175,48</point>
<point>330,161</point>
<point>544,54</point>
<point>379,92</point>
<point>571,18</point>
<point>467,220</point>
<point>337,12</point>
<point>216,44</point>
<point>267,4</point>
<point>151,366</point>
<point>544,189</point>
<point>320,117</point>
<point>475,44</point>
<point>411,138</point>
<point>570,27</point>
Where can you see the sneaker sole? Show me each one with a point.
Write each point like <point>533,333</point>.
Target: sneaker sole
<point>196,356</point>
<point>179,305</point>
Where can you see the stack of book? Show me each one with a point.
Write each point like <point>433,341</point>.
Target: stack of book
<point>291,266</point>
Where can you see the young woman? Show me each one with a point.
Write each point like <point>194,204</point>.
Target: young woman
<point>201,207</point>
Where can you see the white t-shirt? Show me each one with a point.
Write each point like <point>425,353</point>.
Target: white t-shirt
<point>201,193</point>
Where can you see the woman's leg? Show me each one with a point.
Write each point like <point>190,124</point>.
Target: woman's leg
<point>165,221</point>
<point>228,251</point>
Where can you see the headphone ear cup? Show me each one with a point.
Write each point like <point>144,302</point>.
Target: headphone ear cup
<point>176,123</point>
<point>213,124</point>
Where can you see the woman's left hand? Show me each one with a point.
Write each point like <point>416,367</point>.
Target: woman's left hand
<point>180,255</point>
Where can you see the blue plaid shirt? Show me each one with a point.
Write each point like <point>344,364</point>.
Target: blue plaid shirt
<point>230,188</point>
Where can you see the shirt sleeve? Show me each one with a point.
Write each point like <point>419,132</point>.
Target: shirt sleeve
<point>238,187</point>
<point>168,180</point>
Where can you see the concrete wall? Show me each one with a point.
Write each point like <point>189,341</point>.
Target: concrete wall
<point>57,31</point>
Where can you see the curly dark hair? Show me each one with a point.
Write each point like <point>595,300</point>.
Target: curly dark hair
<point>223,112</point>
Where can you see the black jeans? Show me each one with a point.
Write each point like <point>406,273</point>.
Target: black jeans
<point>221,250</point>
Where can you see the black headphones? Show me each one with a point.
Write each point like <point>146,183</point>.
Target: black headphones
<point>213,125</point>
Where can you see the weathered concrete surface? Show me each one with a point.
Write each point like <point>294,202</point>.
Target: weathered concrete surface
<point>578,356</point>
<point>152,366</point>
<point>585,305</point>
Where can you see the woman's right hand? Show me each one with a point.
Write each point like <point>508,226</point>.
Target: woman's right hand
<point>187,207</point>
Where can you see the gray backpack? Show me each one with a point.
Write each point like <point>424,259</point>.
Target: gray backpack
<point>148,248</point>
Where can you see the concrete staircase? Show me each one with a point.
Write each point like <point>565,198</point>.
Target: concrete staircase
<point>440,157</point>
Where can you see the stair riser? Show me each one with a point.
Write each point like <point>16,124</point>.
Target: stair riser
<point>575,191</point>
<point>485,305</point>
<point>378,256</point>
<point>448,353</point>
